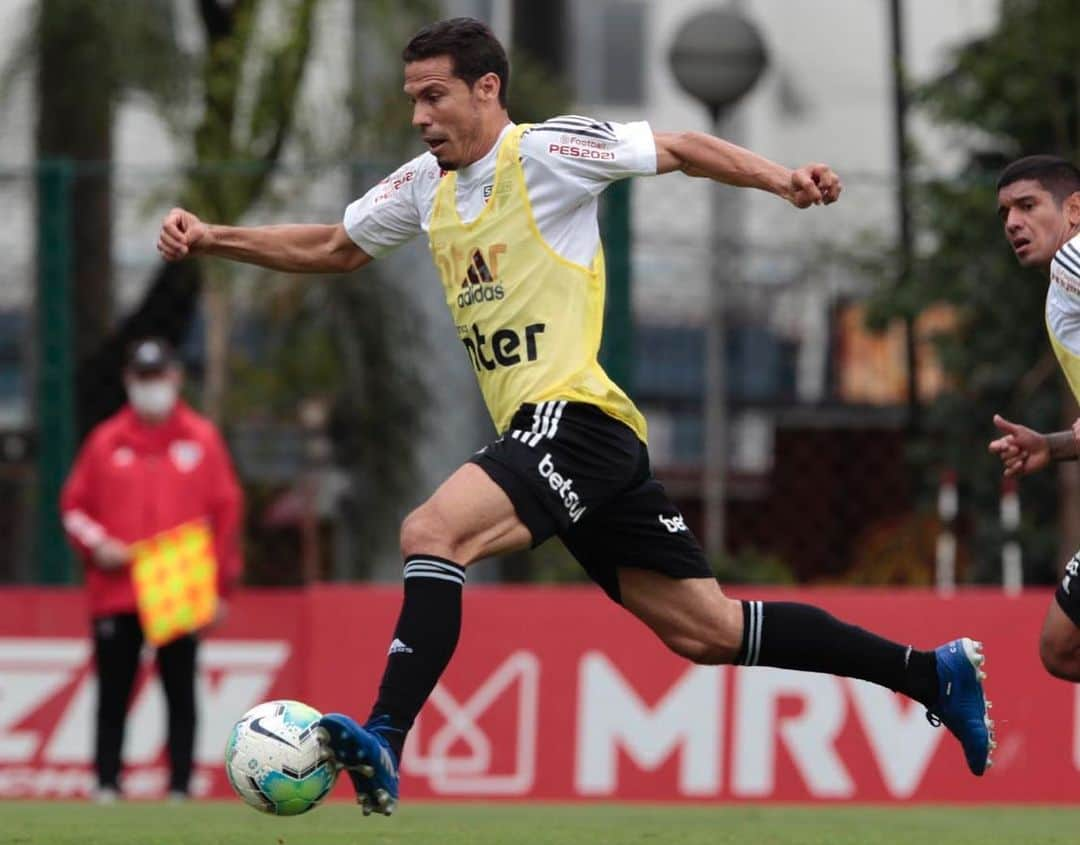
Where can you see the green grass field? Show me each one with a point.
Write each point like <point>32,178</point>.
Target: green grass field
<point>536,824</point>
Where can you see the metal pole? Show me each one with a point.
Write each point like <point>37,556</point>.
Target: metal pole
<point>945,559</point>
<point>502,21</point>
<point>617,352</point>
<point>1012,562</point>
<point>723,263</point>
<point>55,388</point>
<point>903,202</point>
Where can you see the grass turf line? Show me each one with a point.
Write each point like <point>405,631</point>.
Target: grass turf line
<point>150,823</point>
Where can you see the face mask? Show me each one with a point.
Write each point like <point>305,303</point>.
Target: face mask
<point>153,398</point>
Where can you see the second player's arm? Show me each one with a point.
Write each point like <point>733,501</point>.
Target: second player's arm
<point>1063,445</point>
<point>700,154</point>
<point>1024,451</point>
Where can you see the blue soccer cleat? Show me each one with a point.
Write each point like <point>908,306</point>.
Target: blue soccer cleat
<point>366,755</point>
<point>961,705</point>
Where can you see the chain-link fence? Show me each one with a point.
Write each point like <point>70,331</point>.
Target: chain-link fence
<point>345,400</point>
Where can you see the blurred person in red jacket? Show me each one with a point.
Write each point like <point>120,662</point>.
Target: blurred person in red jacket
<point>152,466</point>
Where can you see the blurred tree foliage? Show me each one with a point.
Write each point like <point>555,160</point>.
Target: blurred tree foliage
<point>351,342</point>
<point>232,98</point>
<point>1014,91</point>
<point>87,57</point>
<point>250,83</point>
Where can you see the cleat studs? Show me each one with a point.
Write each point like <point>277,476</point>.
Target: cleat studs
<point>993,745</point>
<point>382,797</point>
<point>389,811</point>
<point>981,675</point>
<point>367,771</point>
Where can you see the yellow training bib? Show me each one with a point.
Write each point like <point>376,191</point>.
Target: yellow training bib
<point>530,319</point>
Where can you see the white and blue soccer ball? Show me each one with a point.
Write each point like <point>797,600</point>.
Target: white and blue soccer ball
<point>274,760</point>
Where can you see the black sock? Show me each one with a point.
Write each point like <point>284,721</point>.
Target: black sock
<point>424,640</point>
<point>799,636</point>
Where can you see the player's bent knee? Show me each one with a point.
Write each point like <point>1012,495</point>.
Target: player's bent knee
<point>422,532</point>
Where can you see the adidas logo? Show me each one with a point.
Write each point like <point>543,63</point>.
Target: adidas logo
<point>398,647</point>
<point>479,284</point>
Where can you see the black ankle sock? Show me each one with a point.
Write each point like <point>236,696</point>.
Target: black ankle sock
<point>799,636</point>
<point>424,640</point>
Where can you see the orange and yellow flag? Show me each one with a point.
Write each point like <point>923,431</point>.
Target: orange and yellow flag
<point>175,577</point>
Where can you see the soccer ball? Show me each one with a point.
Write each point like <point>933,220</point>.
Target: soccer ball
<point>274,760</point>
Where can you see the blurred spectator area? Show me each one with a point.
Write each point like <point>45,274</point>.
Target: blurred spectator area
<point>824,486</point>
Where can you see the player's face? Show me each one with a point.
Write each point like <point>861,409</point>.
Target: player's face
<point>447,111</point>
<point>1035,224</point>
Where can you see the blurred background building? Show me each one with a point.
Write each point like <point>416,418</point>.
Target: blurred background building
<point>325,385</point>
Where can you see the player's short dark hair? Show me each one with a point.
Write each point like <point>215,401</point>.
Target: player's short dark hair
<point>1057,175</point>
<point>471,46</point>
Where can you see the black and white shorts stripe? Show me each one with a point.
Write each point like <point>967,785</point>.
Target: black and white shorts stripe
<point>440,570</point>
<point>546,418</point>
<point>753,634</point>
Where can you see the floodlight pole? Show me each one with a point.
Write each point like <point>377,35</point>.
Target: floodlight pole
<point>717,56</point>
<point>723,264</point>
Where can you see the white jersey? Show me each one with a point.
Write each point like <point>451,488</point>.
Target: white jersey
<point>568,161</point>
<point>1063,311</point>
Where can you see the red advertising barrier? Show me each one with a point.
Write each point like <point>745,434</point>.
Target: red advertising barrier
<point>556,693</point>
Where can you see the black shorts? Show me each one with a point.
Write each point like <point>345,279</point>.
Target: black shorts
<point>1068,591</point>
<point>574,472</point>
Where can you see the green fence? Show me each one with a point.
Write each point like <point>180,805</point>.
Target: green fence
<point>345,400</point>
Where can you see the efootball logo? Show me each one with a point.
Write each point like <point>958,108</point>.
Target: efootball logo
<point>479,284</point>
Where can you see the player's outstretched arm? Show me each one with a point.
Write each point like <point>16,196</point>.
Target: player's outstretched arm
<point>698,154</point>
<point>291,248</point>
<point>1024,451</point>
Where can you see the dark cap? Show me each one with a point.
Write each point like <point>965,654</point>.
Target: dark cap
<point>151,355</point>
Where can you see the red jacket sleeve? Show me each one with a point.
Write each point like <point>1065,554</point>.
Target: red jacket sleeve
<point>78,509</point>
<point>226,505</point>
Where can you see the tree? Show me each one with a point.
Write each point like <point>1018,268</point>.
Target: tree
<point>87,58</point>
<point>236,98</point>
<point>1012,92</point>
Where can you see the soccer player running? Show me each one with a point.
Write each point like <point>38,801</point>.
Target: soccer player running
<point>510,212</point>
<point>1039,205</point>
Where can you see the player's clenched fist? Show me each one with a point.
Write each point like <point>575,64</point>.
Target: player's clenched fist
<point>814,184</point>
<point>1022,450</point>
<point>182,233</point>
